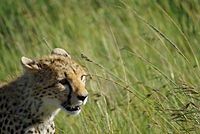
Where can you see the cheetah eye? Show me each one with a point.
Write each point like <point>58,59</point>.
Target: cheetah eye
<point>64,81</point>
<point>83,78</point>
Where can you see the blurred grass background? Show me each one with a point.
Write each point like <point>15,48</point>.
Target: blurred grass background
<point>143,57</point>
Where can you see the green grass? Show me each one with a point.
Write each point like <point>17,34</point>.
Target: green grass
<point>143,59</point>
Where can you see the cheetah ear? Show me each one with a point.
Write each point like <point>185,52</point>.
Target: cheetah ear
<point>29,64</point>
<point>60,51</point>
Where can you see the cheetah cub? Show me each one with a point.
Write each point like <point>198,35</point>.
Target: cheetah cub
<point>30,103</point>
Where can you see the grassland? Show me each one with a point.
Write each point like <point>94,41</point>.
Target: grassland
<point>143,57</point>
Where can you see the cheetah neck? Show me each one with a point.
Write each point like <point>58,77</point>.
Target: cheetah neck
<point>24,105</point>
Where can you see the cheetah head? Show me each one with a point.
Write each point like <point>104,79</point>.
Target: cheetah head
<point>57,80</point>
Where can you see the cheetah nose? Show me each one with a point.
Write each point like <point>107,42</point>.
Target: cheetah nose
<point>80,97</point>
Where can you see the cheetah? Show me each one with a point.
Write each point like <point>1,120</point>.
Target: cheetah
<point>49,84</point>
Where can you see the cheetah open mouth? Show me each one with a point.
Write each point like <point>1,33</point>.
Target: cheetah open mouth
<point>71,109</point>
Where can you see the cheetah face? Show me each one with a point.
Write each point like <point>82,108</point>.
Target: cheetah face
<point>74,102</point>
<point>75,99</point>
<point>59,81</point>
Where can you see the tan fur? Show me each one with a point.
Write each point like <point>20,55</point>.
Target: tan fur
<point>29,103</point>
